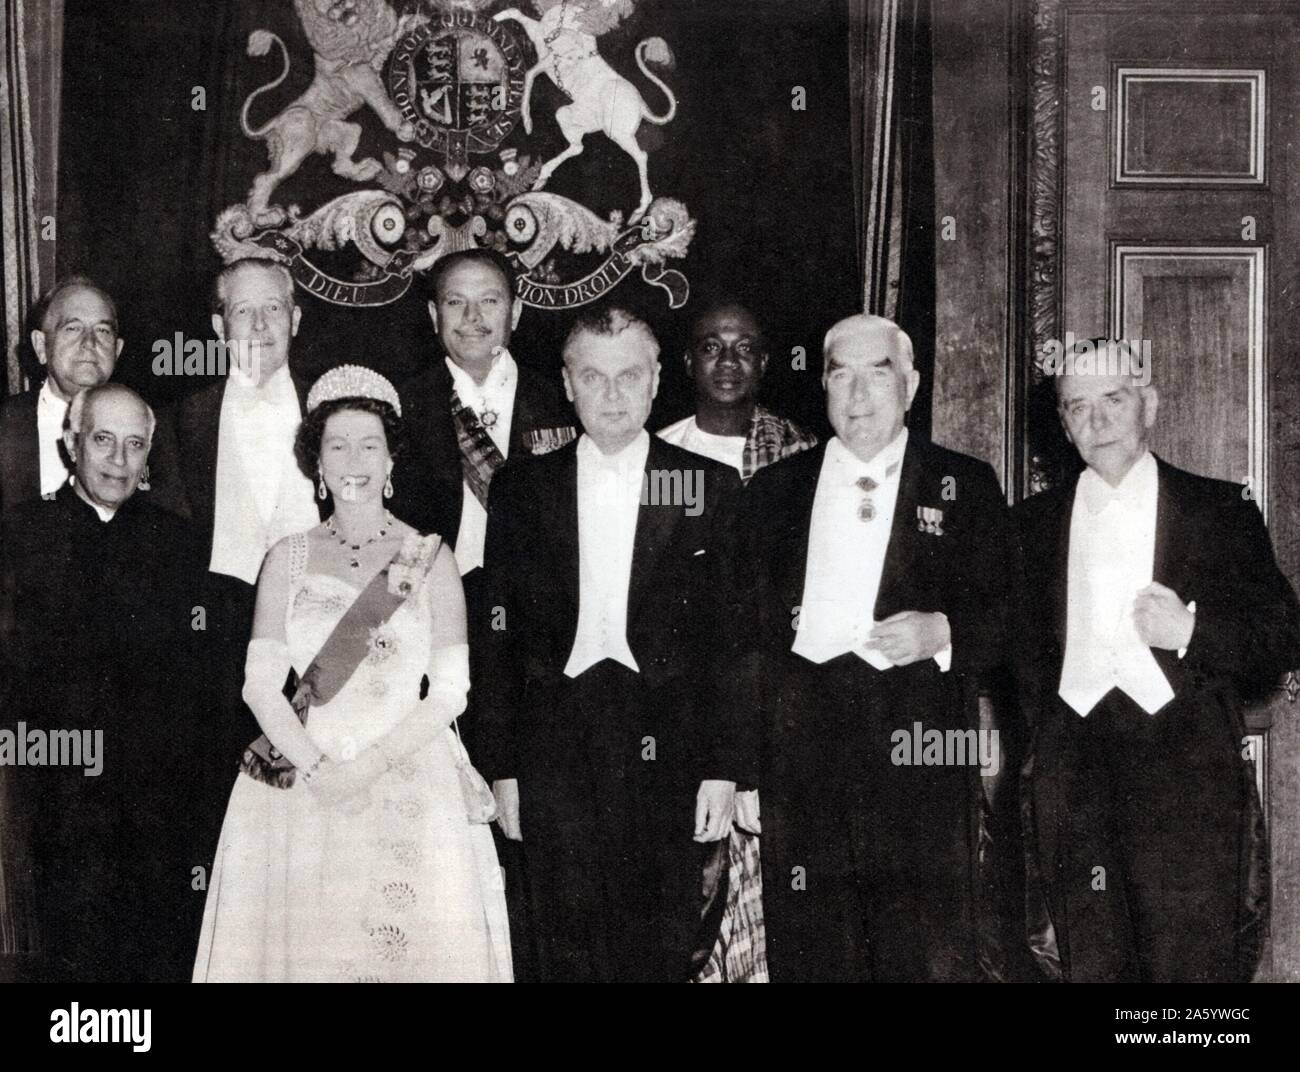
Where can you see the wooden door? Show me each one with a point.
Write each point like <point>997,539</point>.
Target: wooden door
<point>1166,155</point>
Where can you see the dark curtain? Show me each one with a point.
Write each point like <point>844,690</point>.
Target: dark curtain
<point>143,176</point>
<point>893,174</point>
<point>31,33</point>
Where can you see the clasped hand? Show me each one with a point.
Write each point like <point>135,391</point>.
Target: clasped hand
<point>1162,619</point>
<point>347,782</point>
<point>911,636</point>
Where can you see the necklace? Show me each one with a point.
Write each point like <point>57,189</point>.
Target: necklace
<point>355,561</point>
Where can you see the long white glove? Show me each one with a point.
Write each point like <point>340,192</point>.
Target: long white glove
<point>265,669</point>
<point>448,694</point>
<point>448,691</point>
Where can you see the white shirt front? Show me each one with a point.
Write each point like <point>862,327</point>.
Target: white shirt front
<point>261,495</point>
<point>609,499</point>
<point>1111,559</point>
<point>51,412</point>
<point>686,433</point>
<point>495,394</point>
<point>266,419</point>
<point>846,555</point>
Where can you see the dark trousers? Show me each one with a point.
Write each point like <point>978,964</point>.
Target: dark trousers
<point>867,866</point>
<point>510,853</point>
<point>1150,842</point>
<point>612,868</point>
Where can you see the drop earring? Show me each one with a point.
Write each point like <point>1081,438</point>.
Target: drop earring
<point>144,484</point>
<point>388,487</point>
<point>321,490</point>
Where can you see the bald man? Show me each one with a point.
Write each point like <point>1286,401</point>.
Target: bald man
<point>877,569</point>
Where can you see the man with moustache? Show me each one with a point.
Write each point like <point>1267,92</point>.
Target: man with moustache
<point>96,593</point>
<point>613,748</point>
<point>466,414</point>
<point>726,360</point>
<point>889,556</point>
<point>472,410</point>
<point>244,488</point>
<point>1152,609</point>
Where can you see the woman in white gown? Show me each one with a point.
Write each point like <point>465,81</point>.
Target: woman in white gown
<point>375,863</point>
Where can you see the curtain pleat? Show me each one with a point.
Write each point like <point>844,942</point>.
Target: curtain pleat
<point>891,119</point>
<point>893,172</point>
<point>44,25</point>
<point>30,78</point>
<point>872,55</point>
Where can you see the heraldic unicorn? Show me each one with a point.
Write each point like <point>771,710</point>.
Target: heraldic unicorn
<point>448,83</point>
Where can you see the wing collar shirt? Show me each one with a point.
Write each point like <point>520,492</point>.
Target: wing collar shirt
<point>51,412</point>
<point>261,495</point>
<point>846,555</point>
<point>1111,558</point>
<point>609,499</point>
<point>496,394</point>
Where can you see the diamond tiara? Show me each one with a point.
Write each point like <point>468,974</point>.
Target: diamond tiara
<point>353,381</point>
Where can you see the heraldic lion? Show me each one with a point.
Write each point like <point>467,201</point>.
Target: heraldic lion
<point>351,40</point>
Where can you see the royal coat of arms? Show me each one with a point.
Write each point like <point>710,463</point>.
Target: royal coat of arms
<point>453,86</point>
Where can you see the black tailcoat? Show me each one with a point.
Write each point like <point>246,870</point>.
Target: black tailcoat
<point>1165,803</point>
<point>869,867</point>
<point>428,482</point>
<point>609,763</point>
<point>197,428</point>
<point>20,452</point>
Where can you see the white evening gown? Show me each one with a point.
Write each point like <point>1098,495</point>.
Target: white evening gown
<point>402,889</point>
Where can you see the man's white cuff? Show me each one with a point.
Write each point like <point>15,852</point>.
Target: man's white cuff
<point>1192,607</point>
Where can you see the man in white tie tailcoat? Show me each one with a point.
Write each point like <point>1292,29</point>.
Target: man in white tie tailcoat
<point>605,721</point>
<point>877,570</point>
<point>1152,608</point>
